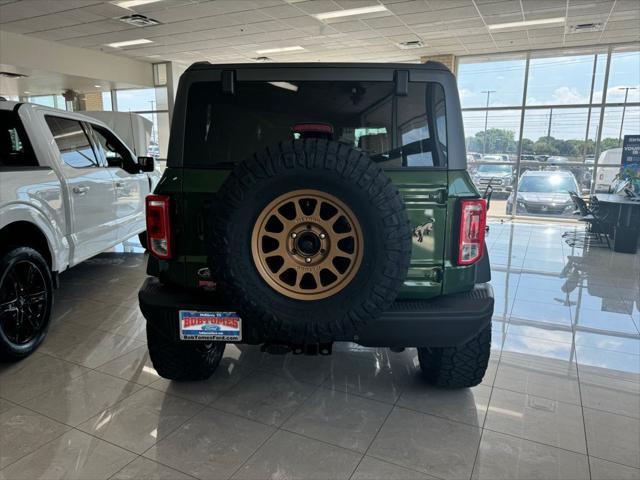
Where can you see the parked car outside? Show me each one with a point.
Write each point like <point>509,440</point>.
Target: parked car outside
<point>606,173</point>
<point>493,158</point>
<point>544,193</point>
<point>69,189</point>
<point>499,176</point>
<point>557,159</point>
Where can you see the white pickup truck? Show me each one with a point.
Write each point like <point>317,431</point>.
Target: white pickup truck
<point>69,189</point>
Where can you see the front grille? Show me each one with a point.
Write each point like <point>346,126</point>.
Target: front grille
<point>494,181</point>
<point>545,209</point>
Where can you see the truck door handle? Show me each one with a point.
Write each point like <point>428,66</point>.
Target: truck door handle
<point>81,190</point>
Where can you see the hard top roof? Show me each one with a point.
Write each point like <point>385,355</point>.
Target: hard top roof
<point>430,65</point>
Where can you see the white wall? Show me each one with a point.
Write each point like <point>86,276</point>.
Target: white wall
<point>29,52</point>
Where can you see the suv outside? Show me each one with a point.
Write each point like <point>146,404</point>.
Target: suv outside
<point>305,204</point>
<point>499,176</point>
<point>544,192</point>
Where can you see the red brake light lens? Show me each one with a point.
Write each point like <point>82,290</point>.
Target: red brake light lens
<point>473,221</point>
<point>313,128</point>
<point>158,226</point>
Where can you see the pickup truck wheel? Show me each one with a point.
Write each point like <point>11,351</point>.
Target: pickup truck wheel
<point>26,299</point>
<point>310,240</point>
<point>457,367</point>
<point>180,360</point>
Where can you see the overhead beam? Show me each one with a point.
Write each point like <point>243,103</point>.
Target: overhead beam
<point>34,53</point>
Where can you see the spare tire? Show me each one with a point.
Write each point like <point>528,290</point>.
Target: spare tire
<point>310,240</point>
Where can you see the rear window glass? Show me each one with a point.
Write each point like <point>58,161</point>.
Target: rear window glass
<point>397,131</point>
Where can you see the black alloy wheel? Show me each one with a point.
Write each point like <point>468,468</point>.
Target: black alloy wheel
<point>25,302</point>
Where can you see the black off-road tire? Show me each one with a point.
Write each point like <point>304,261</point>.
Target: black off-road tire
<point>10,351</point>
<point>457,367</point>
<point>335,169</point>
<point>180,360</point>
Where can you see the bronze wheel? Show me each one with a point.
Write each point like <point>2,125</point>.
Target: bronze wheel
<point>307,245</point>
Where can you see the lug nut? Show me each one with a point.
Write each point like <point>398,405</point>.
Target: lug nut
<point>308,260</point>
<point>323,236</point>
<point>294,235</point>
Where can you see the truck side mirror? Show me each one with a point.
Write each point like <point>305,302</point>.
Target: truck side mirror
<point>147,164</point>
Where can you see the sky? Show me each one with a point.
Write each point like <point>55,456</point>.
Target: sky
<point>560,81</point>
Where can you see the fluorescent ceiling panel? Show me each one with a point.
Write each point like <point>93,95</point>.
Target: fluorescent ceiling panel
<point>295,48</point>
<point>133,3</point>
<point>349,12</point>
<point>128,43</point>
<point>527,23</point>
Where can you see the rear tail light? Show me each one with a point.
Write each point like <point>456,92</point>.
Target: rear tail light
<point>473,221</point>
<point>158,226</point>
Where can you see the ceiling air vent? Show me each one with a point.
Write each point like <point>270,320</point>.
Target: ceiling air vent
<point>584,27</point>
<point>138,20</point>
<point>411,44</point>
<point>12,75</point>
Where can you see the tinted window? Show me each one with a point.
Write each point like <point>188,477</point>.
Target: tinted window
<point>222,129</point>
<point>15,150</point>
<point>72,142</point>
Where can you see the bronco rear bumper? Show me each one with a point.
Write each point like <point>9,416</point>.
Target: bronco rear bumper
<point>445,321</point>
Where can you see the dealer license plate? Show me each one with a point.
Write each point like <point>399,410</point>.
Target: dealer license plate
<point>210,326</point>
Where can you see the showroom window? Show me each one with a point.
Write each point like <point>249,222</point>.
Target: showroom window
<point>53,101</point>
<point>223,129</point>
<point>574,106</point>
<point>73,143</point>
<point>152,104</point>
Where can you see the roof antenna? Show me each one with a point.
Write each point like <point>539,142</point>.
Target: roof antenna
<point>133,135</point>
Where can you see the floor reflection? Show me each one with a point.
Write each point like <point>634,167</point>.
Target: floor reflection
<point>561,397</point>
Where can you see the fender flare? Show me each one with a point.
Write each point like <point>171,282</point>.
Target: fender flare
<point>56,241</point>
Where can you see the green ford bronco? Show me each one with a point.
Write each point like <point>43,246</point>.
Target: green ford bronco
<point>305,204</point>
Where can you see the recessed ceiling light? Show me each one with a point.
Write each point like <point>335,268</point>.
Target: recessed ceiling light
<point>98,86</point>
<point>296,48</point>
<point>526,23</point>
<point>350,12</point>
<point>128,43</point>
<point>133,3</point>
<point>27,91</point>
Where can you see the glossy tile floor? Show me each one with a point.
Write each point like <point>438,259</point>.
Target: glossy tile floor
<point>561,399</point>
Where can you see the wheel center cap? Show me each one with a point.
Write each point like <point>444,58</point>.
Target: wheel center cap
<point>308,243</point>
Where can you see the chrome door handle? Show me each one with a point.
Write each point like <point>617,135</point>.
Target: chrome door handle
<point>80,190</point>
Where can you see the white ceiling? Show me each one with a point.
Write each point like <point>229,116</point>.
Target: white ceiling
<point>225,31</point>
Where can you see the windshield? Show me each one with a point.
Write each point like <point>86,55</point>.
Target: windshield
<point>548,184</point>
<point>493,169</point>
